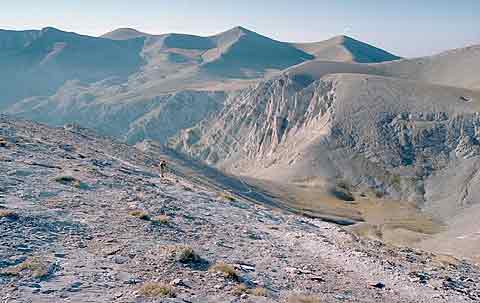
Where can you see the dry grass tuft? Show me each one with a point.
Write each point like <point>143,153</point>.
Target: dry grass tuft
<point>227,197</point>
<point>162,219</point>
<point>259,292</point>
<point>9,214</point>
<point>156,290</point>
<point>186,254</point>
<point>227,270</point>
<point>240,290</point>
<point>140,214</point>
<point>37,267</point>
<point>303,299</point>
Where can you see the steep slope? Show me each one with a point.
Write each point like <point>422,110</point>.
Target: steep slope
<point>394,137</point>
<point>37,63</point>
<point>346,49</point>
<point>133,120</point>
<point>84,218</point>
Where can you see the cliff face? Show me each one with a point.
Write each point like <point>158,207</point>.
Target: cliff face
<point>378,132</point>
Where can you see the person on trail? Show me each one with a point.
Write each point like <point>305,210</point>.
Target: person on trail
<point>163,168</point>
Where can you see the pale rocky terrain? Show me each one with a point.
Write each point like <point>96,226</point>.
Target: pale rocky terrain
<point>336,131</point>
<point>71,235</point>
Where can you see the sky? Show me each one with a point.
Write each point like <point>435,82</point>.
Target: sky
<point>408,28</point>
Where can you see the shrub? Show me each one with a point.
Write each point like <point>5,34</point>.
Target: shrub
<point>342,191</point>
<point>226,196</point>
<point>9,214</point>
<point>162,219</point>
<point>240,290</point>
<point>69,180</point>
<point>259,292</point>
<point>186,254</point>
<point>65,179</point>
<point>140,214</point>
<point>156,290</point>
<point>227,270</point>
<point>37,267</point>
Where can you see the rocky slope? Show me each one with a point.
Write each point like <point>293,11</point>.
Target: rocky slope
<point>85,219</point>
<point>398,138</point>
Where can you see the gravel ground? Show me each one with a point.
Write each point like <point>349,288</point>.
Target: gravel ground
<point>87,219</point>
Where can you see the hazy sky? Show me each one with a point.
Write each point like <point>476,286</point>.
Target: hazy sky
<point>405,27</point>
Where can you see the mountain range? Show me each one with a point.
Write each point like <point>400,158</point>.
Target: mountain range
<point>338,121</point>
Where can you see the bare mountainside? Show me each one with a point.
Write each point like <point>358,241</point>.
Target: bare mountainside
<point>361,142</point>
<point>37,63</point>
<point>393,138</point>
<point>86,219</point>
<point>346,49</point>
<point>452,68</point>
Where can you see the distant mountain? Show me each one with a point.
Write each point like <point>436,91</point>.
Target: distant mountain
<point>457,67</point>
<point>346,49</point>
<point>240,49</point>
<point>124,34</point>
<point>237,52</point>
<point>37,63</point>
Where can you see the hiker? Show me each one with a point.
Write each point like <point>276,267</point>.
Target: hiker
<point>163,167</point>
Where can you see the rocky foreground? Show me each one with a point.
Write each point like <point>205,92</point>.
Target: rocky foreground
<point>85,219</point>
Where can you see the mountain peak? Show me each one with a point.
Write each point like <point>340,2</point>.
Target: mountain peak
<point>50,29</point>
<point>124,33</point>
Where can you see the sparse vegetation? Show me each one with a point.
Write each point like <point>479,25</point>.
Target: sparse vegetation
<point>71,181</point>
<point>227,270</point>
<point>38,268</point>
<point>396,182</point>
<point>240,290</point>
<point>140,214</point>
<point>227,197</point>
<point>9,214</point>
<point>259,292</point>
<point>303,299</point>
<point>186,254</point>
<point>243,289</point>
<point>343,191</point>
<point>156,290</point>
<point>162,219</point>
<point>64,179</point>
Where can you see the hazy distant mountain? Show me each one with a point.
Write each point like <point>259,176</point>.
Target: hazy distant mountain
<point>39,62</point>
<point>124,34</point>
<point>346,49</point>
<point>452,68</point>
